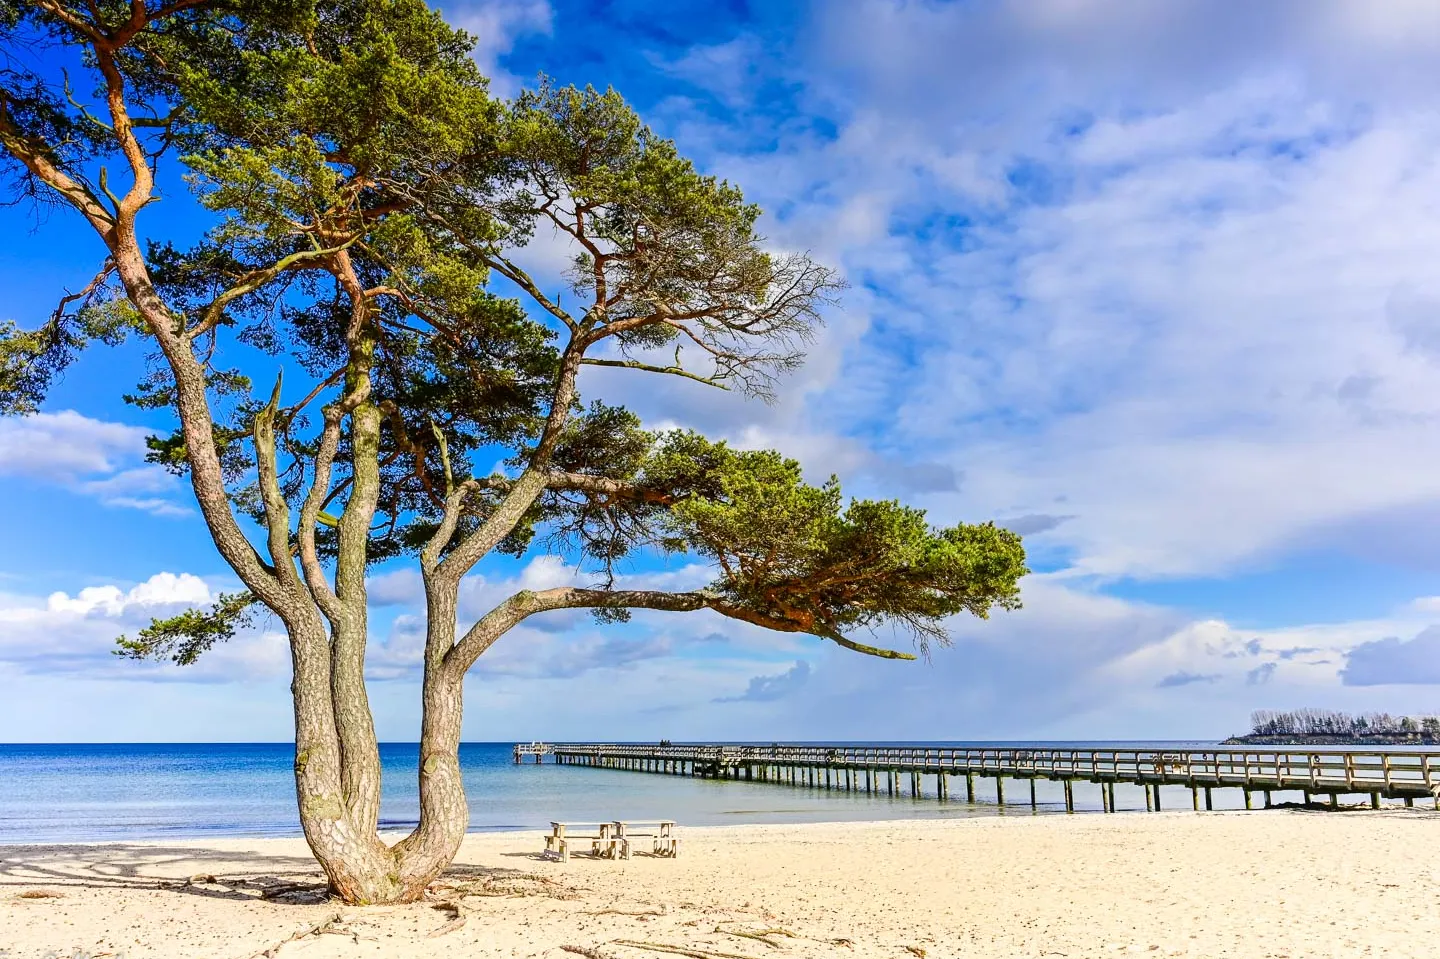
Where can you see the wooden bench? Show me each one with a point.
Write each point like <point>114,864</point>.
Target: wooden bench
<point>602,836</point>
<point>660,832</point>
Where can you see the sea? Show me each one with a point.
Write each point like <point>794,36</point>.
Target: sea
<point>111,792</point>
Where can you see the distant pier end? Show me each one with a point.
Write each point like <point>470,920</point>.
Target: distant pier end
<point>538,750</point>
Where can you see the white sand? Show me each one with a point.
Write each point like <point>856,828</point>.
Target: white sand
<point>1263,884</point>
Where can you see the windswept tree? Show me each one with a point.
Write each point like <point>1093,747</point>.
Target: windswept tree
<point>368,197</point>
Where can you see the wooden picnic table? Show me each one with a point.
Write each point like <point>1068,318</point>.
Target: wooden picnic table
<point>602,836</point>
<point>660,832</point>
<point>614,839</point>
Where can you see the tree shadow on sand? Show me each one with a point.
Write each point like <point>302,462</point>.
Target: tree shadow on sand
<point>186,870</point>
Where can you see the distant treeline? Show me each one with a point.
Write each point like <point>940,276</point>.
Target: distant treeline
<point>1267,724</point>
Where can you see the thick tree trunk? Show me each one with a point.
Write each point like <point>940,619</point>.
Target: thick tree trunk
<point>444,812</point>
<point>360,868</point>
<point>332,759</point>
<point>357,864</point>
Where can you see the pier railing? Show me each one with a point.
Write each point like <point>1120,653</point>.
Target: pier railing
<point>1393,774</point>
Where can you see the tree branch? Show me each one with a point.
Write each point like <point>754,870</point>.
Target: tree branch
<point>277,511</point>
<point>582,482</point>
<point>310,514</point>
<point>454,509</point>
<point>104,272</point>
<point>517,608</point>
<point>255,279</point>
<point>41,167</point>
<point>522,279</point>
<point>672,370</point>
<point>532,481</point>
<point>494,624</point>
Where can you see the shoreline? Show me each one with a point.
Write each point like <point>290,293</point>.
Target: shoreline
<point>1173,883</point>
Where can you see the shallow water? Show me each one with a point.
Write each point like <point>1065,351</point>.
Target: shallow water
<point>77,793</point>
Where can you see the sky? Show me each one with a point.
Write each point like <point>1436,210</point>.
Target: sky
<point>1152,284</point>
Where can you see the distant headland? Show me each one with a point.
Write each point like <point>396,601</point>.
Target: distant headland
<point>1323,727</point>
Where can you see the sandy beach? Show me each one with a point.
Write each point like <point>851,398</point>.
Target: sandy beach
<point>1271,884</point>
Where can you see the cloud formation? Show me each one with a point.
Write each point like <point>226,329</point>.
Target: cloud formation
<point>91,457</point>
<point>1393,661</point>
<point>65,445</point>
<point>765,689</point>
<point>74,634</point>
<point>496,25</point>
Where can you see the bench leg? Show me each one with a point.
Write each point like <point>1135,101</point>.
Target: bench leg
<point>564,851</point>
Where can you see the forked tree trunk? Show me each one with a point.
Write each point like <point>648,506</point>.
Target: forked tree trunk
<point>339,824</point>
<point>360,867</point>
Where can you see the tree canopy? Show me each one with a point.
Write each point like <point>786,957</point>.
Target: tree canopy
<point>364,135</point>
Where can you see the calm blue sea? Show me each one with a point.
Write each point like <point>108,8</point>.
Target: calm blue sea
<point>81,793</point>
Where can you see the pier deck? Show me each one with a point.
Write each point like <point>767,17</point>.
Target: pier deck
<point>1380,774</point>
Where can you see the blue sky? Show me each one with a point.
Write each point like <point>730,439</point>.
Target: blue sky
<point>1152,283</point>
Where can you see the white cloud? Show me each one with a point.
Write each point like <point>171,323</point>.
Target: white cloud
<point>1077,665</point>
<point>74,634</point>
<point>1392,661</point>
<point>1175,347</point>
<point>91,457</point>
<point>495,25</point>
<point>728,70</point>
<point>396,587</point>
<point>764,689</point>
<point>65,445</point>
<point>160,590</point>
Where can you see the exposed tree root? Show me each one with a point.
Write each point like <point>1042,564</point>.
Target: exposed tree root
<point>760,935</point>
<point>662,911</point>
<point>455,911</point>
<point>318,929</point>
<point>448,928</point>
<point>509,887</point>
<point>693,952</point>
<point>586,951</point>
<point>263,887</point>
<point>272,892</point>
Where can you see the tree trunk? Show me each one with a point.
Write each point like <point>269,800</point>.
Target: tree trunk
<point>331,760</point>
<point>360,868</point>
<point>444,812</point>
<point>358,865</point>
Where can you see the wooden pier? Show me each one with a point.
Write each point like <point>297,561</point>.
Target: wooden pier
<point>900,770</point>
